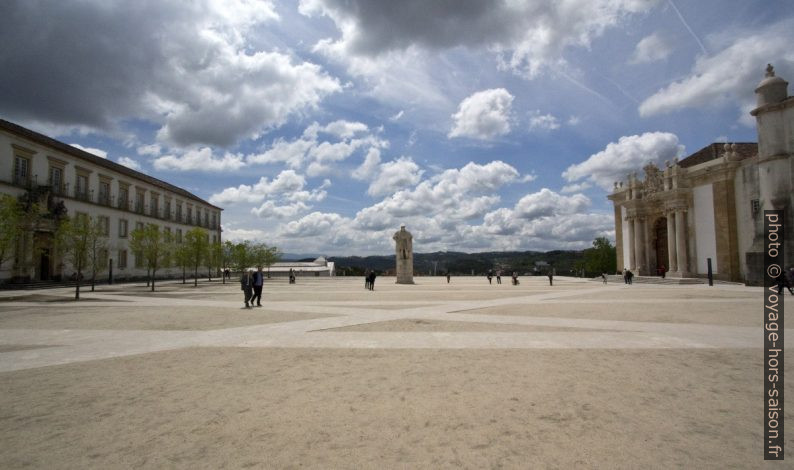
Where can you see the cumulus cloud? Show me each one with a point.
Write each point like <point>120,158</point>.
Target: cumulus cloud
<point>201,159</point>
<point>93,151</point>
<point>314,224</point>
<point>483,115</point>
<point>287,181</point>
<point>651,49</point>
<point>152,150</point>
<point>129,163</point>
<point>320,155</point>
<point>629,154</point>
<point>369,167</point>
<point>546,202</point>
<point>543,122</point>
<point>395,175</point>
<point>730,75</point>
<point>575,187</point>
<point>191,70</point>
<point>532,34</point>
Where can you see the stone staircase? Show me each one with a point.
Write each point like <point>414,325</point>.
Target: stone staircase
<point>673,281</point>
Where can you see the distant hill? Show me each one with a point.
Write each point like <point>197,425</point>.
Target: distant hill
<point>457,263</point>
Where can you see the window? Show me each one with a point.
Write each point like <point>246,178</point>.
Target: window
<point>139,202</point>
<point>81,187</point>
<point>206,218</point>
<point>21,170</point>
<point>189,214</point>
<point>179,235</point>
<point>167,209</point>
<point>122,259</point>
<point>214,239</point>
<point>104,225</point>
<point>104,193</point>
<point>179,211</point>
<point>123,228</point>
<point>214,220</point>
<point>56,180</point>
<point>124,195</point>
<point>154,205</point>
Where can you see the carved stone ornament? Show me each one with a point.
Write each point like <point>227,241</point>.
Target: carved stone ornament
<point>654,181</point>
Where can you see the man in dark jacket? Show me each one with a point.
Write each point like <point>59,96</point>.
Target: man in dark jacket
<point>247,286</point>
<point>259,280</point>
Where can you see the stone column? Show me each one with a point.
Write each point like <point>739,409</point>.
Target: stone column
<point>681,242</point>
<point>630,262</point>
<point>639,248</point>
<point>672,262</point>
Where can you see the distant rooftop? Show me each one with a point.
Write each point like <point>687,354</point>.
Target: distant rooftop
<point>42,139</point>
<point>717,150</point>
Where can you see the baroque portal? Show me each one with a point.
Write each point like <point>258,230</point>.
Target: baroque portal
<point>404,254</point>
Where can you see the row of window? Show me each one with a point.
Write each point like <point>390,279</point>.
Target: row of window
<point>22,177</point>
<point>104,224</point>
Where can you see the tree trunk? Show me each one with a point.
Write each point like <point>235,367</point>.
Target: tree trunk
<point>93,279</point>
<point>209,274</point>
<point>153,274</point>
<point>195,276</point>
<point>148,276</point>
<point>77,287</point>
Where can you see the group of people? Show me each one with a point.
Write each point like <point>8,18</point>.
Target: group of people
<point>627,276</point>
<point>251,284</point>
<point>498,276</point>
<point>369,280</point>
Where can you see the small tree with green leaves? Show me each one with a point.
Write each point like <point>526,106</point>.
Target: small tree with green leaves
<point>74,239</point>
<point>97,250</point>
<point>11,226</point>
<point>182,258</point>
<point>243,255</point>
<point>153,245</point>
<point>197,243</point>
<point>602,257</point>
<point>215,258</point>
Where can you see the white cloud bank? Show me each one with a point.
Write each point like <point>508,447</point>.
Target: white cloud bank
<point>628,154</point>
<point>483,115</point>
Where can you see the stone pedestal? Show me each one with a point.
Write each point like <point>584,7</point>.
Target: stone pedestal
<point>404,254</point>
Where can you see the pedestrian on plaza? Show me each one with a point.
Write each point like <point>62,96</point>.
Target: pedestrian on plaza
<point>515,278</point>
<point>372,280</point>
<point>625,276</point>
<point>259,280</point>
<point>247,286</point>
<point>551,277</point>
<point>785,280</point>
<point>629,277</point>
<point>662,271</point>
<point>490,276</point>
<point>366,279</point>
<point>448,277</point>
<point>604,277</point>
<point>291,276</point>
<point>498,276</point>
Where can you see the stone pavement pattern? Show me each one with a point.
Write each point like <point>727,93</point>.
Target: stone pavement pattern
<point>327,374</point>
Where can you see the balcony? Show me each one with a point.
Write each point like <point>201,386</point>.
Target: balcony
<point>103,199</point>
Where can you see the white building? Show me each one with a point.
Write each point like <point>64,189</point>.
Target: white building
<point>317,268</point>
<point>709,206</point>
<point>61,176</point>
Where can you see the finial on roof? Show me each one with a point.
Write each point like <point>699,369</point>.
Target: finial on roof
<point>770,71</point>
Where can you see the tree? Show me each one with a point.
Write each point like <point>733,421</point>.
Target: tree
<point>11,227</point>
<point>601,258</point>
<point>153,246</point>
<point>214,258</point>
<point>97,250</point>
<point>243,255</point>
<point>73,239</point>
<point>196,240</point>
<point>182,257</point>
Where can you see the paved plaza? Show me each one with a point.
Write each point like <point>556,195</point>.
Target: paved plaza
<point>328,375</point>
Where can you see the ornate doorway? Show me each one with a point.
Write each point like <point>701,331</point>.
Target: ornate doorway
<point>660,242</point>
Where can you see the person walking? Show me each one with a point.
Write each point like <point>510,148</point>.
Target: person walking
<point>499,277</point>
<point>604,277</point>
<point>629,276</point>
<point>551,277</point>
<point>246,285</point>
<point>662,271</point>
<point>372,280</point>
<point>259,280</point>
<point>515,278</point>
<point>490,276</point>
<point>448,277</point>
<point>366,279</point>
<point>625,276</point>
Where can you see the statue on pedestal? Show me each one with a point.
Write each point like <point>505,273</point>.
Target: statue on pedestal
<point>404,254</point>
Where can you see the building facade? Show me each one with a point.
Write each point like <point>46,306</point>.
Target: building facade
<point>62,178</point>
<point>707,209</point>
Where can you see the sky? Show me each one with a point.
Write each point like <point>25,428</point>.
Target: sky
<point>321,126</point>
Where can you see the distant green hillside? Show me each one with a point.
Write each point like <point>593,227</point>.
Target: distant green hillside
<point>460,264</point>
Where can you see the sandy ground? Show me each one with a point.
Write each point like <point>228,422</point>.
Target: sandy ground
<point>356,404</point>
